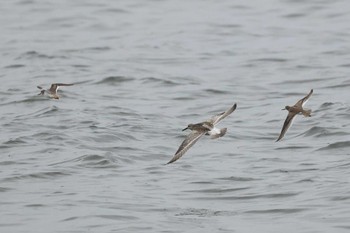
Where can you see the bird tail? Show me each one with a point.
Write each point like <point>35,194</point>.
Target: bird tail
<point>220,134</point>
<point>307,113</point>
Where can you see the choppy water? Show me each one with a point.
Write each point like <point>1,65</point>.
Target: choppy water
<point>93,160</point>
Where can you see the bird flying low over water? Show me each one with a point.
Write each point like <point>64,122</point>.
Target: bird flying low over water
<point>293,111</point>
<point>200,129</point>
<point>52,92</point>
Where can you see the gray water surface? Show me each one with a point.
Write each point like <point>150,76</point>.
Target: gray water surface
<point>93,161</point>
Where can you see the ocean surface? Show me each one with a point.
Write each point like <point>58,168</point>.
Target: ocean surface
<point>93,161</point>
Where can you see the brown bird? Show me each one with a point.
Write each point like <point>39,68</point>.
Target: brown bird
<point>200,129</point>
<point>293,111</point>
<point>52,92</point>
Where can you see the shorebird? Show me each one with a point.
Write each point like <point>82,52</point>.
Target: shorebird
<point>293,111</point>
<point>200,129</point>
<point>52,92</point>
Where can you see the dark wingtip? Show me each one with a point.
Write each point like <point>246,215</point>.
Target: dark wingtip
<point>234,106</point>
<point>278,139</point>
<point>168,162</point>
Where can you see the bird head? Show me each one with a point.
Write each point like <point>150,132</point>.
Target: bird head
<point>188,127</point>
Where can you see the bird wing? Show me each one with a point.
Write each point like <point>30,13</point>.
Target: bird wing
<point>303,101</point>
<point>63,84</point>
<point>207,125</point>
<point>286,125</point>
<point>55,86</point>
<point>190,140</point>
<point>215,119</point>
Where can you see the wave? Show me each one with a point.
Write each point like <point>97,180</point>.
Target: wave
<point>91,161</point>
<point>270,59</point>
<point>14,66</point>
<point>238,178</point>
<point>41,112</point>
<point>216,91</point>
<point>163,82</point>
<point>30,55</point>
<point>115,80</point>
<point>336,145</point>
<point>3,189</point>
<point>218,190</point>
<point>276,211</point>
<point>204,212</point>
<point>251,196</point>
<point>48,175</point>
<point>318,131</point>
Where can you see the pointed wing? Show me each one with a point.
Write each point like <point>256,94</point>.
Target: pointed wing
<point>215,119</point>
<point>301,102</point>
<point>54,87</point>
<point>39,87</point>
<point>63,84</point>
<point>190,140</point>
<point>286,125</point>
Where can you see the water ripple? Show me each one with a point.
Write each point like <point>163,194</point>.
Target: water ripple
<point>92,161</point>
<point>36,55</point>
<point>159,81</point>
<point>37,175</point>
<point>204,212</point>
<point>336,145</point>
<point>115,80</point>
<point>277,211</point>
<point>235,178</point>
<point>14,66</point>
<point>218,190</point>
<point>252,196</point>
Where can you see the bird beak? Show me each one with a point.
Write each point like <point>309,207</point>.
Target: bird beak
<point>185,129</point>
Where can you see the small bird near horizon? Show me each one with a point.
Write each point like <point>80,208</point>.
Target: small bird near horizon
<point>293,111</point>
<point>200,129</point>
<point>52,92</point>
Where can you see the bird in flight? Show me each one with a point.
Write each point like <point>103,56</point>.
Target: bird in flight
<point>52,92</point>
<point>200,129</point>
<point>293,111</point>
